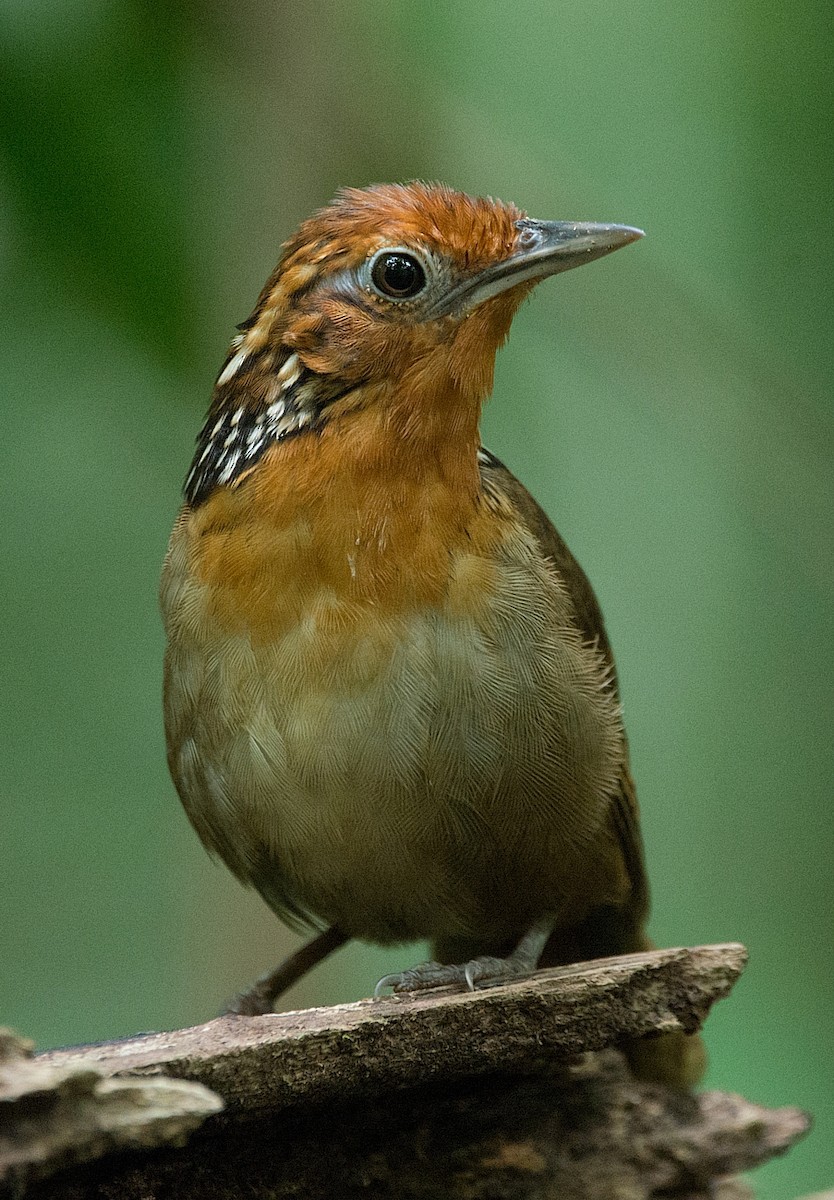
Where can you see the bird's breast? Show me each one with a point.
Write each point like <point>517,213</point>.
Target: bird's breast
<point>367,719</point>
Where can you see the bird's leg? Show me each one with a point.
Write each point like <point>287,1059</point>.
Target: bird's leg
<point>261,996</point>
<point>487,970</point>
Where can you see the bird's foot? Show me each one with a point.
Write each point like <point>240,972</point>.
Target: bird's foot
<point>429,975</point>
<point>486,971</point>
<point>256,1002</point>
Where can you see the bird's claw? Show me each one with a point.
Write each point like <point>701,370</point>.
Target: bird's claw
<point>252,1003</point>
<point>430,975</point>
<point>426,975</point>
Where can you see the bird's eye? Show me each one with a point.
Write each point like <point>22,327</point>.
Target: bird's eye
<point>398,275</point>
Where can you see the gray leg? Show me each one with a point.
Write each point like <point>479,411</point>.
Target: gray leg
<point>487,970</point>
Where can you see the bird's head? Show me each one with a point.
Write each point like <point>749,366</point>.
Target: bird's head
<point>393,298</point>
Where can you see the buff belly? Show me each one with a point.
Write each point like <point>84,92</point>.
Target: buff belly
<point>423,773</point>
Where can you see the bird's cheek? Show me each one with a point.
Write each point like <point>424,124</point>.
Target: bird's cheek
<point>337,340</point>
<point>335,352</point>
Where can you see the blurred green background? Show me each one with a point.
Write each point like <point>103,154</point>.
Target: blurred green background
<point>670,407</point>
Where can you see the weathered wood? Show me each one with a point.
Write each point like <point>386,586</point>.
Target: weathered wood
<point>52,1115</point>
<point>583,1130</point>
<point>321,1054</point>
<point>507,1093</point>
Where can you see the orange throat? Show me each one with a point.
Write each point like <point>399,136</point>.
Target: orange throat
<point>373,510</point>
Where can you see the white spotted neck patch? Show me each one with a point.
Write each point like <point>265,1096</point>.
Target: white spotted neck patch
<point>257,402</point>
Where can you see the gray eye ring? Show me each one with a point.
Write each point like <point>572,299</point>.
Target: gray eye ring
<point>397,273</point>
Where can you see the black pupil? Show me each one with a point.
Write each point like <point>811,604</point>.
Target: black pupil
<point>398,275</point>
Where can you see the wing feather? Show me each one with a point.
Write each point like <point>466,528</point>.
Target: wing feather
<point>625,814</point>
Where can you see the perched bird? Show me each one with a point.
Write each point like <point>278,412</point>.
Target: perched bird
<point>390,701</point>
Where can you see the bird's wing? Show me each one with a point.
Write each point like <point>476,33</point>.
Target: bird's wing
<point>625,814</point>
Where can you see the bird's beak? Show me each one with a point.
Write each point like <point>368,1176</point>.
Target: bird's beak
<point>542,248</point>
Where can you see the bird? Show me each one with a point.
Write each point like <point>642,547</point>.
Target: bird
<point>390,701</point>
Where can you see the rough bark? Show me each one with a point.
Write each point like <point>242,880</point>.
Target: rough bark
<point>54,1115</point>
<point>489,1094</point>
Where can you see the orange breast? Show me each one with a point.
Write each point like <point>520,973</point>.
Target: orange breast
<point>327,525</point>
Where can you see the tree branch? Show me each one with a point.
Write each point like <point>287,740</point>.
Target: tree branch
<point>445,1094</point>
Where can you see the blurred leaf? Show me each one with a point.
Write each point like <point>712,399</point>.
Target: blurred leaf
<point>92,133</point>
